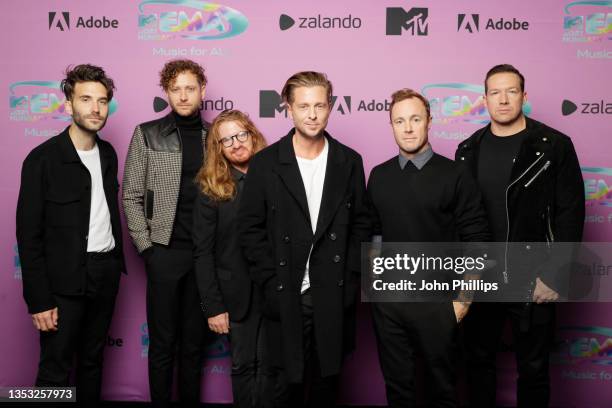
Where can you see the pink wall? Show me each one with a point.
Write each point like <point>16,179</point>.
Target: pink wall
<point>564,53</point>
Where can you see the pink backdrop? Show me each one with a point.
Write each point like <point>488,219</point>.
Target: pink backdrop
<point>562,47</point>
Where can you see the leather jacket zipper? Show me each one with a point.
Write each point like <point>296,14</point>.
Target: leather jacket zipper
<point>546,165</point>
<point>505,271</point>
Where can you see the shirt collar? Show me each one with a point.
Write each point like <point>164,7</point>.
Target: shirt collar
<point>237,174</point>
<point>419,160</point>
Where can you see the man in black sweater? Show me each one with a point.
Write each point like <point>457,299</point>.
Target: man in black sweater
<point>533,192</point>
<point>159,193</point>
<point>420,196</point>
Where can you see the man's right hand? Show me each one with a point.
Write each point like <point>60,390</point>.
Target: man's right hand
<point>219,323</point>
<point>45,321</point>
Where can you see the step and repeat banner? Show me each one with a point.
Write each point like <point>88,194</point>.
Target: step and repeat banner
<point>368,49</point>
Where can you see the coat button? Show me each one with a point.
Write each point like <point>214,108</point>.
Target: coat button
<point>332,236</point>
<point>462,158</point>
<point>341,282</point>
<point>544,139</point>
<point>279,287</point>
<point>282,262</point>
<point>348,205</point>
<point>528,247</point>
<point>286,239</point>
<point>336,258</point>
<point>273,208</point>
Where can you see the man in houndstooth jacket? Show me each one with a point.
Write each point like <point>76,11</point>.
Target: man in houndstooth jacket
<point>158,198</point>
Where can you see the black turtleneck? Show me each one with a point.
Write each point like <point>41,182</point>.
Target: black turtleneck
<point>190,133</point>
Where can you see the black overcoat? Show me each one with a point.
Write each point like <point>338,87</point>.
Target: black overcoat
<point>276,237</point>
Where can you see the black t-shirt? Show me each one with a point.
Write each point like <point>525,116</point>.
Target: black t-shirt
<point>190,132</point>
<point>495,162</point>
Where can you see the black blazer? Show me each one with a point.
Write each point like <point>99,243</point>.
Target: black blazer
<point>276,236</point>
<point>221,271</point>
<point>53,219</point>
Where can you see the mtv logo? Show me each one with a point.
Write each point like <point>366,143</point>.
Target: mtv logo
<point>270,102</point>
<point>468,22</point>
<point>414,20</point>
<point>59,21</point>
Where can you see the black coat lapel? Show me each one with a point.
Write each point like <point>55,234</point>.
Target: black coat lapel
<point>289,173</point>
<point>337,175</point>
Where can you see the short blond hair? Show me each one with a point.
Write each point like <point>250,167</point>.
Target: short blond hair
<point>307,79</point>
<point>407,93</point>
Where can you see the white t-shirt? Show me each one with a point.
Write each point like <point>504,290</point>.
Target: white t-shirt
<point>313,176</point>
<point>100,236</point>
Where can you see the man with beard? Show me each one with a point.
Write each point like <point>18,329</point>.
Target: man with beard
<point>533,193</point>
<point>159,192</point>
<point>69,237</point>
<point>303,216</point>
<point>230,301</point>
<point>420,196</point>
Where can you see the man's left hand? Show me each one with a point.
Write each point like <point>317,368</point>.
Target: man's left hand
<point>543,294</point>
<point>461,309</point>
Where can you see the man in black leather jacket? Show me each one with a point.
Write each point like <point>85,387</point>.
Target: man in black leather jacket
<point>534,195</point>
<point>158,198</point>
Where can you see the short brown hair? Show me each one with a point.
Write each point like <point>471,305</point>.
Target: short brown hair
<point>407,93</point>
<point>501,68</point>
<point>215,178</point>
<point>173,68</point>
<point>86,73</point>
<point>307,79</point>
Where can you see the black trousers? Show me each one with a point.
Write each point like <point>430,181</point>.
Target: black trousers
<point>402,331</point>
<point>533,330</point>
<point>250,372</point>
<point>83,323</point>
<point>316,391</point>
<point>174,318</point>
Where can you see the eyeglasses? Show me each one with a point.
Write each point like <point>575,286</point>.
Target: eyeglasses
<point>229,141</point>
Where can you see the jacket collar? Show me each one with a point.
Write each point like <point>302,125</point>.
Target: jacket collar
<point>336,178</point>
<point>167,124</point>
<point>533,131</point>
<point>69,153</point>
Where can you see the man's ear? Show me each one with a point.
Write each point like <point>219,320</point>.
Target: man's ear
<point>68,107</point>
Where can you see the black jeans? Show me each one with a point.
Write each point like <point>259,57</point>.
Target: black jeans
<point>250,386</point>
<point>174,317</point>
<point>83,323</point>
<point>316,391</point>
<point>532,328</point>
<point>402,331</point>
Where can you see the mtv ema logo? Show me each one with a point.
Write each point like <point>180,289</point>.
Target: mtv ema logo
<point>585,345</point>
<point>189,19</point>
<point>414,21</point>
<point>596,188</point>
<point>455,102</point>
<point>587,21</point>
<point>33,101</point>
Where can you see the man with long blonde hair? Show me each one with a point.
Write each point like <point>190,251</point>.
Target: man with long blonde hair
<point>229,299</point>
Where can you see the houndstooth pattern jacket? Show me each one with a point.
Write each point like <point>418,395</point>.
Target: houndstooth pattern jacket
<point>152,180</point>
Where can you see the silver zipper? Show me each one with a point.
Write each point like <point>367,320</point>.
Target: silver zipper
<point>505,272</point>
<point>550,233</point>
<point>544,167</point>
